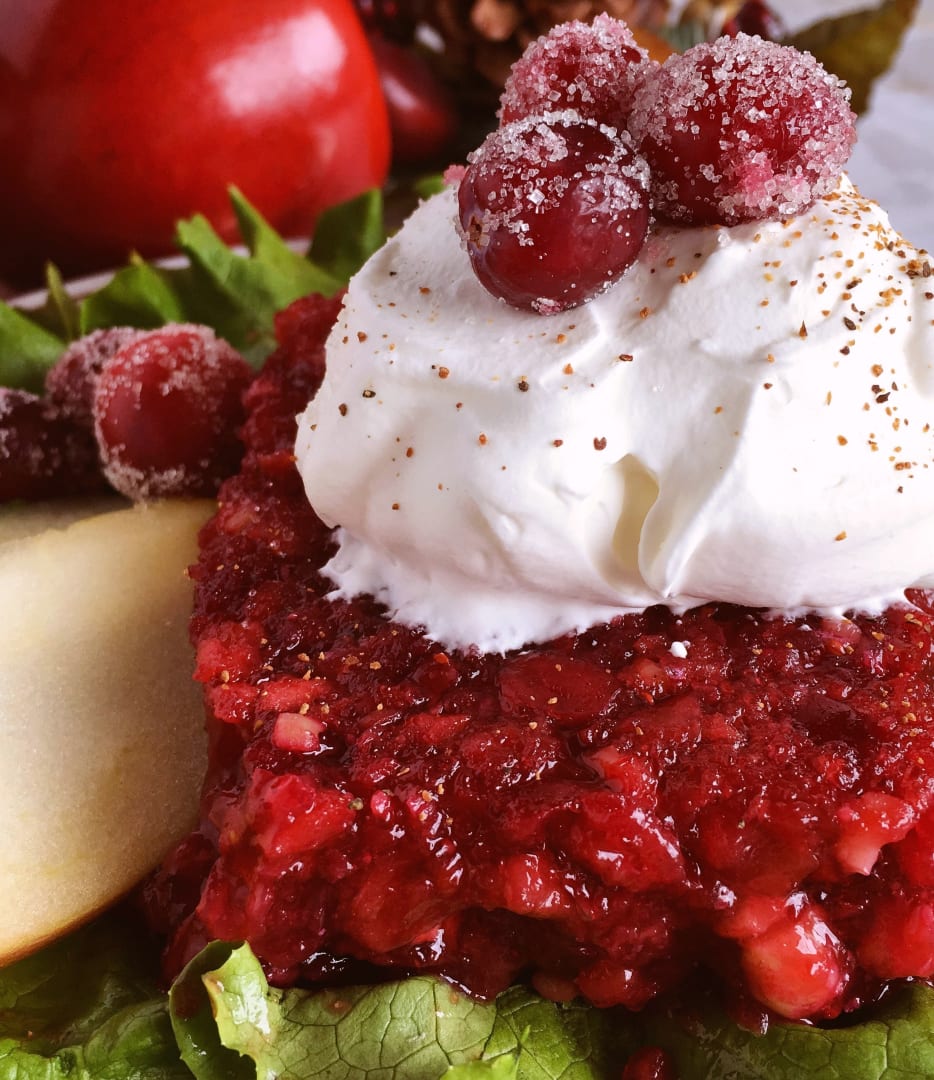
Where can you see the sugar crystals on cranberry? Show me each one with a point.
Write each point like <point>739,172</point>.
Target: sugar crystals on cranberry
<point>741,129</point>
<point>166,410</point>
<point>42,452</point>
<point>553,210</point>
<point>71,382</point>
<point>591,68</point>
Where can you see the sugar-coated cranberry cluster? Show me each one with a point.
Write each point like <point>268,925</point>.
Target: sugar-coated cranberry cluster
<point>149,413</point>
<point>596,138</point>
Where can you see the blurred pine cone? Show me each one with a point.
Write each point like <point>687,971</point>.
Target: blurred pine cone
<point>485,37</point>
<point>472,44</point>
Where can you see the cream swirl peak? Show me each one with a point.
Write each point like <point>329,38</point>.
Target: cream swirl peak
<point>745,417</point>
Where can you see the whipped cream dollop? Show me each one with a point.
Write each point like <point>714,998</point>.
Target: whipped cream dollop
<point>746,417</point>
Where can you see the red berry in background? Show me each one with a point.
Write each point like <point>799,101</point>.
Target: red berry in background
<point>553,210</point>
<point>118,119</point>
<point>591,68</point>
<point>166,411</point>
<point>71,382</point>
<point>42,453</point>
<point>755,17</point>
<point>422,117</point>
<point>741,129</point>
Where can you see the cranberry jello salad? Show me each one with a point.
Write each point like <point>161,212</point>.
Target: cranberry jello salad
<point>589,645</point>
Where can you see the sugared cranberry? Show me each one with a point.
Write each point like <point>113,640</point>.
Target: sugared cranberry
<point>42,454</point>
<point>741,129</point>
<point>166,410</point>
<point>593,69</point>
<point>70,384</point>
<point>553,209</point>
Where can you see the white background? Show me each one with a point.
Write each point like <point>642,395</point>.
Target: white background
<point>893,162</point>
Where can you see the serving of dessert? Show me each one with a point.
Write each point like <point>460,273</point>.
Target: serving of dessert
<point>568,621</point>
<point>501,724</point>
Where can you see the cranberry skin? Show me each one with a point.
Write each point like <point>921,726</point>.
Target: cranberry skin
<point>116,120</point>
<point>42,453</point>
<point>166,410</point>
<point>71,382</point>
<point>553,210</point>
<point>741,129</point>
<point>591,68</point>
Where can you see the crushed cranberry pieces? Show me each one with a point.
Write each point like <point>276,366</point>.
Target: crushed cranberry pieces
<point>602,814</point>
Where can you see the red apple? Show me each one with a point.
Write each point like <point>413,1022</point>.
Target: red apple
<point>117,119</point>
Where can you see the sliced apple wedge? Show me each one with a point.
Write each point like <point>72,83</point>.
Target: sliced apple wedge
<point>102,748</point>
<point>17,520</point>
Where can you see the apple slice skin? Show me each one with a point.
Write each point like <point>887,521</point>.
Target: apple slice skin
<point>102,744</point>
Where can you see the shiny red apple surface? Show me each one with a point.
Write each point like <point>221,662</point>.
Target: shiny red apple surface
<point>118,119</point>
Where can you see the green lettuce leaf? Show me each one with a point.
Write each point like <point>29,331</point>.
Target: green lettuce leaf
<point>411,1030</point>
<point>139,295</point>
<point>560,1042</point>
<point>87,1008</point>
<point>230,1023</point>
<point>27,350</point>
<point>346,237</point>
<point>502,1068</point>
<point>60,314</point>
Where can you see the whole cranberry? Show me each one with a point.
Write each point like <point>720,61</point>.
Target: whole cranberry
<point>166,410</point>
<point>118,119</point>
<point>43,454</point>
<point>553,209</point>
